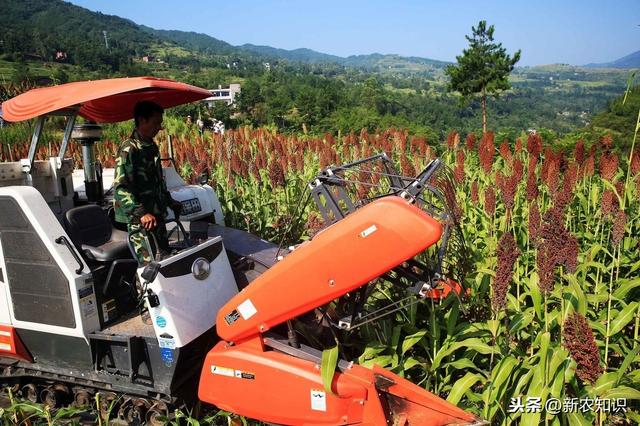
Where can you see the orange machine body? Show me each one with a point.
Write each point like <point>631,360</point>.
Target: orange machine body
<point>283,386</point>
<point>341,258</point>
<point>11,346</point>
<point>279,388</point>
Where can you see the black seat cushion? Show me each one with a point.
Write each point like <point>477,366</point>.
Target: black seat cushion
<point>108,251</point>
<point>91,231</point>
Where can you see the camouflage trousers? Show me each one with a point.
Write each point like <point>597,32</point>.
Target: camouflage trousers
<point>142,243</point>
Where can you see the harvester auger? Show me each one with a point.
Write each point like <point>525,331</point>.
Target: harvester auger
<point>69,319</point>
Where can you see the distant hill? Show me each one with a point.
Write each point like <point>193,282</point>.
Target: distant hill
<point>43,28</point>
<point>298,55</point>
<point>630,61</point>
<point>195,41</point>
<point>46,29</point>
<point>371,61</point>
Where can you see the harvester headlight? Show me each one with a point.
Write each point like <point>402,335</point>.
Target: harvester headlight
<point>201,268</point>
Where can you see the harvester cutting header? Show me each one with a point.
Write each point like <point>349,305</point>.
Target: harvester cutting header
<point>224,304</point>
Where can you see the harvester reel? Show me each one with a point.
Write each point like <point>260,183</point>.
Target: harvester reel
<point>339,191</point>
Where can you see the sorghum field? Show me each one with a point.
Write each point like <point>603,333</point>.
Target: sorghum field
<point>553,309</point>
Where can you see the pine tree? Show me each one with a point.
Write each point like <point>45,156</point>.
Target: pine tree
<point>482,69</point>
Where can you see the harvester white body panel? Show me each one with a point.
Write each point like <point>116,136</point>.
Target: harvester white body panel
<point>189,305</point>
<point>41,274</point>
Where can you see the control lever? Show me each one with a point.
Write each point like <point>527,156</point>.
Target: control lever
<point>149,274</point>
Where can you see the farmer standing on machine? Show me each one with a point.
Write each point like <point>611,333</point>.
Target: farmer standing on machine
<point>141,195</point>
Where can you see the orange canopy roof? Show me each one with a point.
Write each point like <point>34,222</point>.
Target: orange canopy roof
<point>102,101</point>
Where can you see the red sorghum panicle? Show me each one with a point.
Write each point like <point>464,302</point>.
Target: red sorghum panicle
<point>581,344</point>
<point>299,162</point>
<point>458,172</point>
<point>589,166</point>
<point>534,221</point>
<point>546,267</point>
<point>557,246</point>
<point>564,197</point>
<point>453,140</point>
<point>486,151</point>
<point>518,169</point>
<point>235,163</point>
<point>570,177</point>
<point>518,148</point>
<point>449,192</point>
<point>314,224</point>
<point>474,193</point>
<point>620,188</point>
<point>508,253</point>
<point>635,163</point>
<point>406,166</point>
<point>619,224</point>
<point>608,166</point>
<point>578,152</point>
<point>505,151</point>
<point>508,186</point>
<point>532,181</point>
<point>276,174</point>
<point>418,146</point>
<point>551,173</point>
<point>363,191</point>
<point>570,253</point>
<point>400,140</point>
<point>608,205</point>
<point>607,142</point>
<point>534,144</point>
<point>489,201</point>
<point>470,141</point>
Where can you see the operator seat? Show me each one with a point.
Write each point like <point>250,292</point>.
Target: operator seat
<point>107,252</point>
<point>91,231</point>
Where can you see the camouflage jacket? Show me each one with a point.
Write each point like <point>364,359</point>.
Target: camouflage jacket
<point>139,187</point>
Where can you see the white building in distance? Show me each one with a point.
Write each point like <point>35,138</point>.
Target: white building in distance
<point>227,95</point>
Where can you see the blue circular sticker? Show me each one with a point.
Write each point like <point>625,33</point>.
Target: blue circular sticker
<point>162,323</point>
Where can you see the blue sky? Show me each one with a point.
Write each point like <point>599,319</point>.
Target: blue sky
<point>571,31</point>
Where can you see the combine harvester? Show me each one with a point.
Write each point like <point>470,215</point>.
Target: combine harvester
<point>71,291</point>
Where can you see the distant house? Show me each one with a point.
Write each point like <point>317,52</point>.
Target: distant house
<point>223,94</point>
<point>60,55</point>
<point>148,58</point>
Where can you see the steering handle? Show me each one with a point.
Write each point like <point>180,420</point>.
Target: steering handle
<point>184,232</point>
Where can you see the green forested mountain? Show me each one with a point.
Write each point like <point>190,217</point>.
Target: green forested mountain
<point>51,41</point>
<point>40,29</point>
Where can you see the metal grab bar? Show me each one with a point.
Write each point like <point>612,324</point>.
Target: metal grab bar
<point>63,240</point>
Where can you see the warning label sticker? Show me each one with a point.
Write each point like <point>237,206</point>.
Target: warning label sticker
<point>318,400</point>
<point>370,230</point>
<point>246,309</point>
<point>223,371</point>
<point>166,341</point>
<point>88,305</point>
